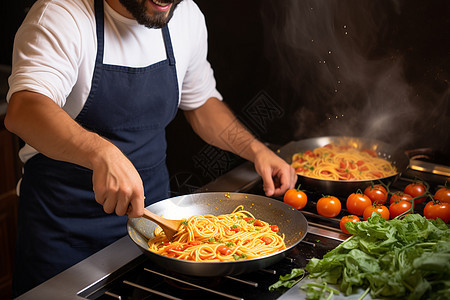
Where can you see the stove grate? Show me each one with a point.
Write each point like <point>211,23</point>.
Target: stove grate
<point>143,280</point>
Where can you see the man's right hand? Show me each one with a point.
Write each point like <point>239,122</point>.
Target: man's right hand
<point>45,126</point>
<point>117,184</point>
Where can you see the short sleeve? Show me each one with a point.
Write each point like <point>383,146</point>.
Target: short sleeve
<point>47,50</point>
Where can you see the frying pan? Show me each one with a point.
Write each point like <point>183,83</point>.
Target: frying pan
<point>344,187</point>
<point>290,221</point>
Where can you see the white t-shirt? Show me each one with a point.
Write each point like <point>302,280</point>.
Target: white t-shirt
<point>55,49</point>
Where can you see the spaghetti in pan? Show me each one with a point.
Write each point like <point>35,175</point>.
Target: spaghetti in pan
<point>342,162</point>
<point>228,237</point>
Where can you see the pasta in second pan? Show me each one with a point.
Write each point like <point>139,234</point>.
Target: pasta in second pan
<point>338,162</point>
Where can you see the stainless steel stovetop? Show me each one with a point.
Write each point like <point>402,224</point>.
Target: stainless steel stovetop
<point>119,267</point>
<point>121,271</point>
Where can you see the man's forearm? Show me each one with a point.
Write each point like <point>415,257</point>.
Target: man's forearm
<point>46,127</point>
<point>50,130</point>
<point>217,125</point>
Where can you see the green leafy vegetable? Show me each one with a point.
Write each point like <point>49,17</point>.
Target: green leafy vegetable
<point>237,257</point>
<point>213,240</point>
<point>405,258</point>
<point>319,291</point>
<point>288,280</point>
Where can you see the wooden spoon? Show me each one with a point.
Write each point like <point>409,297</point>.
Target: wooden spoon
<point>170,227</point>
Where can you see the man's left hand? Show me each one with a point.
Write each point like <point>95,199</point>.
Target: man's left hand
<point>277,175</point>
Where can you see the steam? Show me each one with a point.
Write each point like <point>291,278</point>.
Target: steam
<point>329,67</point>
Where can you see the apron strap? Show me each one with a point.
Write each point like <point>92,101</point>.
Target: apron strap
<point>168,44</point>
<point>99,20</point>
<point>99,16</point>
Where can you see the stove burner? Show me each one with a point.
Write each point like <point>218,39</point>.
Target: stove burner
<point>184,282</point>
<point>141,279</point>
<point>143,288</point>
<point>188,282</point>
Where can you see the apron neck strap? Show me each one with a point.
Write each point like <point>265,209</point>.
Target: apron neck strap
<point>99,20</point>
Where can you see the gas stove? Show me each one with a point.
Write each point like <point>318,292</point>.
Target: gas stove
<point>140,278</point>
<point>121,271</point>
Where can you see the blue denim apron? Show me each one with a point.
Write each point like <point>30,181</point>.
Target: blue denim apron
<point>60,223</point>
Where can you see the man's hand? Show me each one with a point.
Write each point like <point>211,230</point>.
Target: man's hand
<point>277,175</point>
<point>44,125</point>
<point>217,125</point>
<point>117,184</point>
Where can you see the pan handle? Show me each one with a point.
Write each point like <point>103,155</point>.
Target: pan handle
<point>420,153</point>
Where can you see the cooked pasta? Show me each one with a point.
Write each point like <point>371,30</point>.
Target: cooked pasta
<point>227,237</point>
<point>336,162</point>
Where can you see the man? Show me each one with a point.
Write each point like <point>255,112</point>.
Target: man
<point>91,93</point>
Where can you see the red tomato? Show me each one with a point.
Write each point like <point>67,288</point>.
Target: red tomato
<point>309,153</point>
<point>174,249</point>
<point>381,209</point>
<point>194,243</point>
<point>328,206</point>
<point>357,203</point>
<point>224,250</point>
<point>416,189</point>
<point>443,195</point>
<point>258,223</point>
<point>370,152</point>
<point>299,170</point>
<point>295,198</point>
<point>345,219</point>
<point>376,193</point>
<point>235,228</point>
<point>266,240</point>
<point>399,196</point>
<point>399,207</point>
<point>274,228</point>
<point>437,210</point>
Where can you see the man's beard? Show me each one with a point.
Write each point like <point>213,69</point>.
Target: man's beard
<point>138,10</point>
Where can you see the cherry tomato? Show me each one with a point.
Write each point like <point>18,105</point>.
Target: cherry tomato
<point>357,203</point>
<point>443,195</point>
<point>194,243</point>
<point>258,223</point>
<point>399,196</point>
<point>376,193</point>
<point>345,219</point>
<point>381,209</point>
<point>370,152</point>
<point>437,210</point>
<point>416,189</point>
<point>235,228</point>
<point>224,250</point>
<point>274,228</point>
<point>328,206</point>
<point>266,240</point>
<point>175,249</point>
<point>295,198</point>
<point>399,207</point>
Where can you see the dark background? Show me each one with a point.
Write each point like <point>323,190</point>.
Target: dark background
<point>297,69</point>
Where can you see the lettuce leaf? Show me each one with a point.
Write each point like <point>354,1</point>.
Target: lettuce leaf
<point>405,258</point>
<point>288,280</point>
